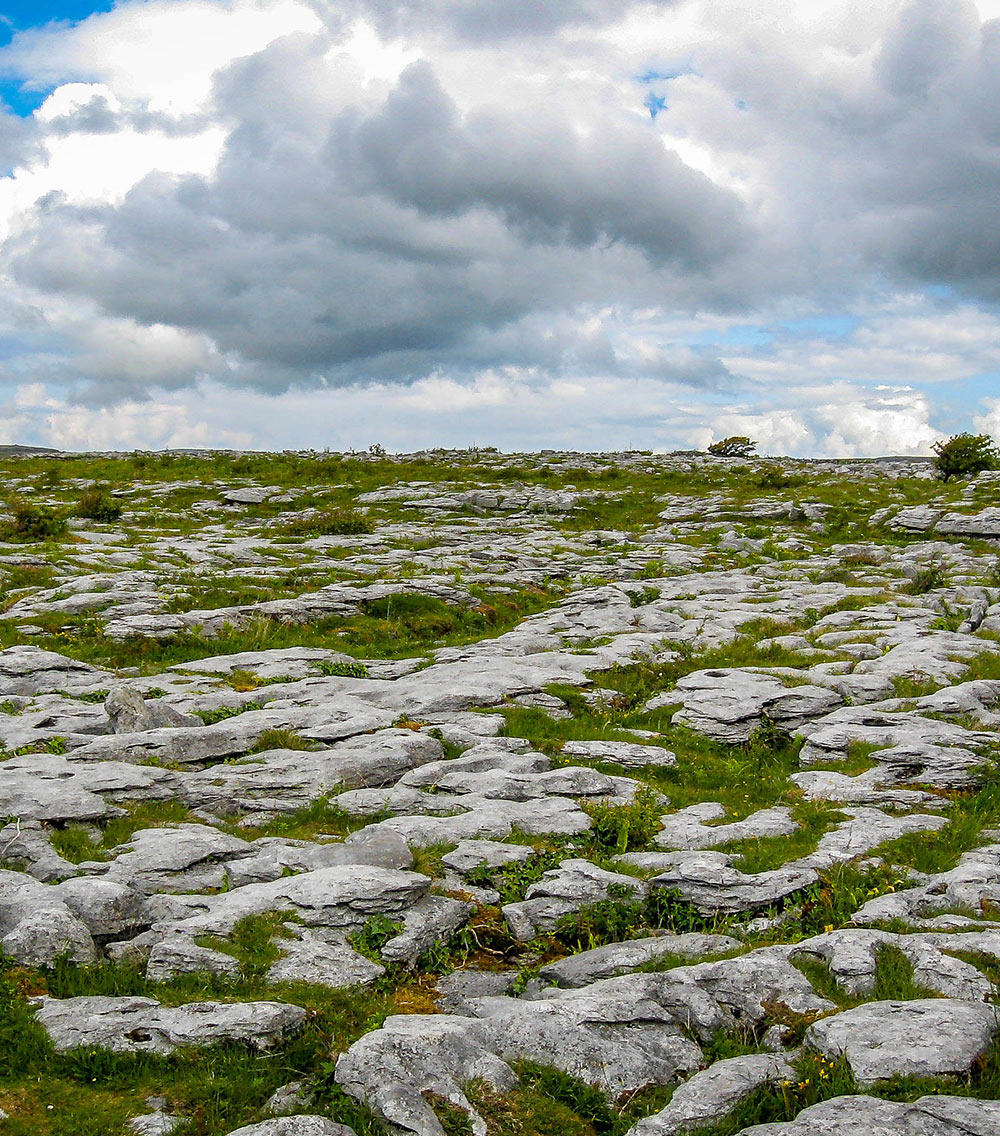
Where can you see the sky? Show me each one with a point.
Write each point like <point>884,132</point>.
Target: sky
<point>573,224</point>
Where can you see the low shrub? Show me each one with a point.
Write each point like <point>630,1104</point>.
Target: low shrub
<point>32,522</point>
<point>737,446</point>
<point>965,454</point>
<point>97,504</point>
<point>330,522</point>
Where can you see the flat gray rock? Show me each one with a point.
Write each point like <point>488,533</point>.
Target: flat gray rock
<point>302,1125</point>
<point>853,1116</point>
<point>711,1093</point>
<point>142,1025</point>
<point>632,755</point>
<point>616,958</point>
<point>712,884</point>
<point>928,1037</point>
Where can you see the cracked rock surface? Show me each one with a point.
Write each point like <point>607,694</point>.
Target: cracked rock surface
<point>434,794</point>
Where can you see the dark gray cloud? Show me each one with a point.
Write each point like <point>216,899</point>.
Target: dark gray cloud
<point>378,232</point>
<point>346,246</point>
<point>482,20</point>
<point>546,182</point>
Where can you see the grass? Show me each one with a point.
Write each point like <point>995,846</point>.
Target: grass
<point>252,944</point>
<point>398,627</point>
<point>765,853</point>
<point>77,843</point>
<point>940,851</point>
<point>330,522</point>
<point>277,738</point>
<point>321,817</point>
<point>218,1088</point>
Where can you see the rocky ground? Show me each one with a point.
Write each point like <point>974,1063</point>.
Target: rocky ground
<point>463,793</point>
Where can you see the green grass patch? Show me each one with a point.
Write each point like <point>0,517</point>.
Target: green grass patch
<point>77,843</point>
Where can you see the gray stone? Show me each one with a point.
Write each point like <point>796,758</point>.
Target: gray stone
<point>308,958</point>
<point>928,1116</point>
<point>710,1094</point>
<point>605,962</point>
<point>470,854</point>
<point>928,1037</point>
<point>710,882</point>
<point>629,754</point>
<point>574,884</point>
<point>686,829</point>
<point>729,704</point>
<point>156,1124</point>
<point>142,1025</point>
<point>129,712</point>
<point>302,1125</point>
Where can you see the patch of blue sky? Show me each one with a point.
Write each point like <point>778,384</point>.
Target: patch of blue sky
<point>654,75</point>
<point>21,99</point>
<point>654,104</point>
<point>826,326</point>
<point>20,15</point>
<point>969,391</point>
<point>17,15</point>
<point>742,335</point>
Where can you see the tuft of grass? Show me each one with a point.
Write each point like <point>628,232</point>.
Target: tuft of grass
<point>894,979</point>
<point>343,670</point>
<point>926,580</point>
<point>221,713</point>
<point>96,504</point>
<point>624,828</point>
<point>251,942</point>
<point>32,522</point>
<point>77,843</point>
<point>278,739</point>
<point>330,522</point>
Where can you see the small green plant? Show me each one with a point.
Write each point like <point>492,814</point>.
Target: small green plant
<point>97,504</point>
<point>373,935</point>
<point>342,670</point>
<point>31,522</point>
<point>965,454</point>
<point>738,446</point>
<point>330,522</point>
<point>625,828</point>
<point>221,713</point>
<point>926,580</point>
<point>514,879</point>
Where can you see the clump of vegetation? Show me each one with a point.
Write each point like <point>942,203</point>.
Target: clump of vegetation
<point>330,522</point>
<point>373,935</point>
<point>342,670</point>
<point>625,828</point>
<point>278,739</point>
<point>738,446</point>
<point>965,454</point>
<point>514,879</point>
<point>927,580</point>
<point>97,504</point>
<point>32,522</point>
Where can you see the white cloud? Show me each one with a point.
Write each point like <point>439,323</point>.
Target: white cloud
<point>163,52</point>
<point>458,216</point>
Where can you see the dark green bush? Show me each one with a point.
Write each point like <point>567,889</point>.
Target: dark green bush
<point>97,504</point>
<point>965,454</point>
<point>32,522</point>
<point>330,522</point>
<point>737,446</point>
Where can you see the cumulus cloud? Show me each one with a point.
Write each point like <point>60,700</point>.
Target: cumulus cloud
<point>519,201</point>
